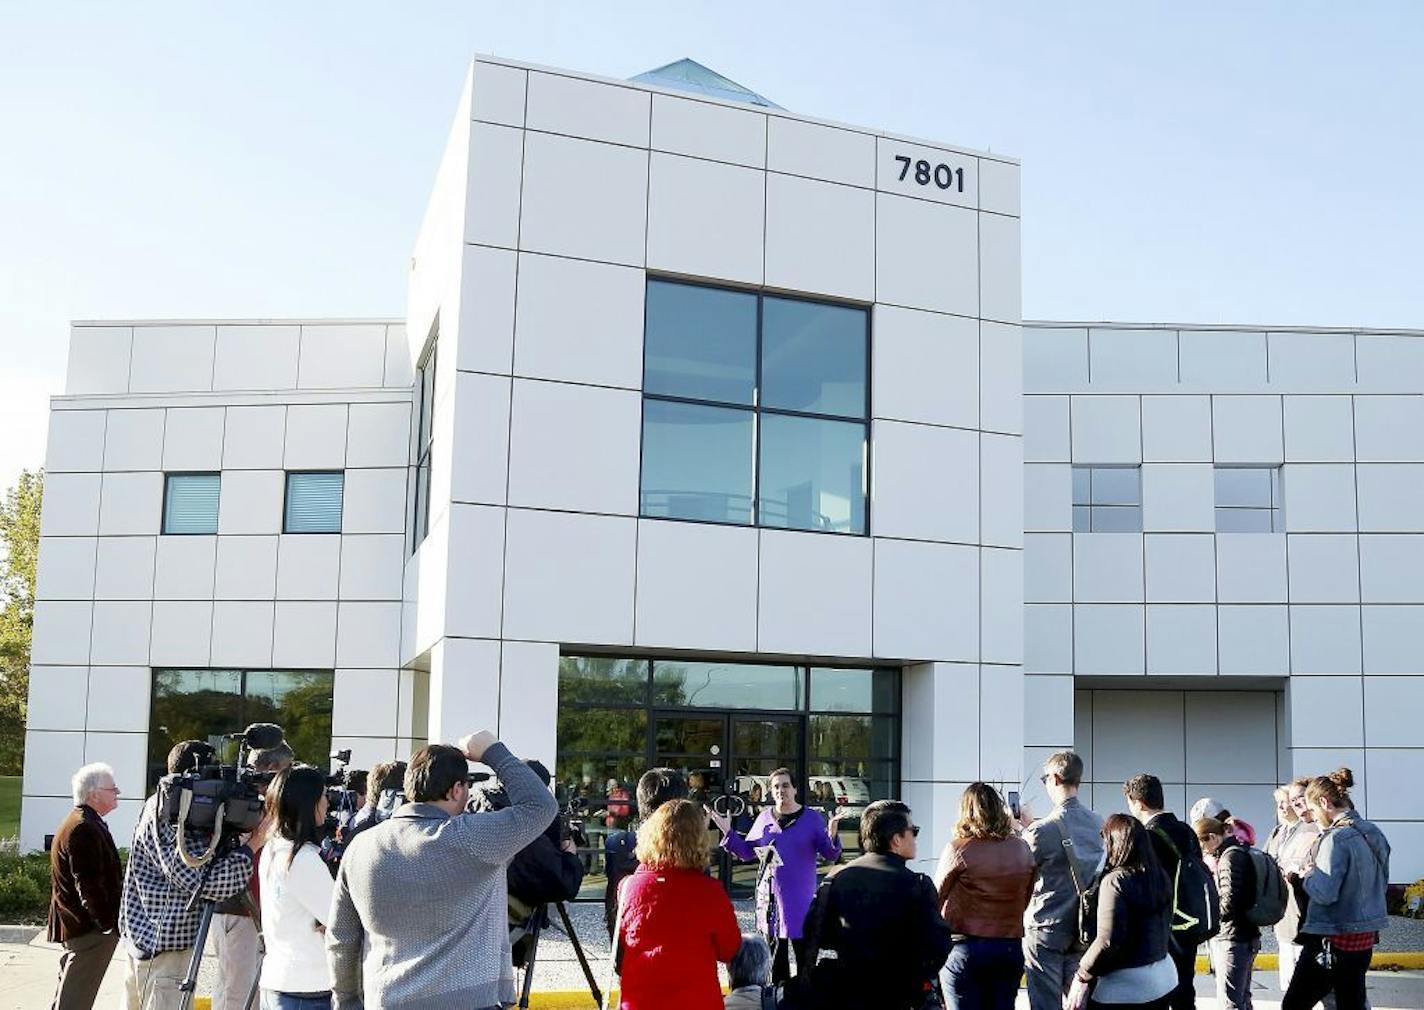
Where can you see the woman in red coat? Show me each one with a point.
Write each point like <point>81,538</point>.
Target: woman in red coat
<point>676,922</point>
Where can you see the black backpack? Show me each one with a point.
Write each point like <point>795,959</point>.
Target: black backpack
<point>1269,907</point>
<point>1196,907</point>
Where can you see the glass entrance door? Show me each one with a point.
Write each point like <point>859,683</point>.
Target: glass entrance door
<point>730,754</point>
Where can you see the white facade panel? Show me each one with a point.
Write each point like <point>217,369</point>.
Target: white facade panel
<point>820,238</point>
<point>1319,429</point>
<point>579,321</point>
<point>75,442</point>
<point>705,130</point>
<point>541,602</point>
<point>706,219</point>
<point>837,619</point>
<point>817,151</point>
<point>1389,429</point>
<point>1181,567</point>
<point>193,439</point>
<point>99,359</point>
<point>256,357</point>
<point>697,586</point>
<point>914,464</point>
<point>1106,429</point>
<point>172,359</point>
<point>925,367</point>
<point>1176,429</point>
<point>1132,359</point>
<point>573,448</point>
<point>341,357</point>
<point>589,109</point>
<point>133,440</point>
<point>1247,429</point>
<point>597,213</point>
<point>926,256</point>
<point>124,568</point>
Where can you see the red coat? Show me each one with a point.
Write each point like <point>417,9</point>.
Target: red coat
<point>677,924</point>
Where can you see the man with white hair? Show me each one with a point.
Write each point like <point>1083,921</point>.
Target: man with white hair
<point>84,906</point>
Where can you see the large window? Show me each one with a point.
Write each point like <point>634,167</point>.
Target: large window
<point>206,704</point>
<point>1249,500</point>
<point>755,409</point>
<point>190,503</point>
<point>1107,499</point>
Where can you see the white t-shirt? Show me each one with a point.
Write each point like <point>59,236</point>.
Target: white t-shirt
<point>295,900</point>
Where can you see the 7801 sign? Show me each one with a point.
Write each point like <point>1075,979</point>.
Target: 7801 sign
<point>944,176</point>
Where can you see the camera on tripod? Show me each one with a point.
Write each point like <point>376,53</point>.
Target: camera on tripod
<point>224,800</point>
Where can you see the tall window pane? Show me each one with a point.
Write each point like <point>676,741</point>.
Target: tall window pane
<point>813,357</point>
<point>190,503</point>
<point>697,462</point>
<point>812,474</point>
<point>700,343</point>
<point>313,503</point>
<point>297,700</point>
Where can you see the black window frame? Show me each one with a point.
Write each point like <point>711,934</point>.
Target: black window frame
<point>168,475</point>
<point>757,408</point>
<point>424,444</point>
<point>287,476</point>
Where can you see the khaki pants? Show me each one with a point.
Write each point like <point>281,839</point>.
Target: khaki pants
<point>81,970</point>
<point>153,984</point>
<point>235,953</point>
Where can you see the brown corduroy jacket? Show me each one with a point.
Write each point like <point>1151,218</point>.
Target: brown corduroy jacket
<point>87,881</point>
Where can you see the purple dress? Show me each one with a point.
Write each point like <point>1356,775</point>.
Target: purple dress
<point>793,884</point>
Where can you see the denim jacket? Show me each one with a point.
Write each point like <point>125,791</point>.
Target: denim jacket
<point>1347,886</point>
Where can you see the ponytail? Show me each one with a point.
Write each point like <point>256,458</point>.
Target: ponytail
<point>1331,790</point>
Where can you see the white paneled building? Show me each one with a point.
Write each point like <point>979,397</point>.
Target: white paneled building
<point>705,442</point>
<point>1230,518</point>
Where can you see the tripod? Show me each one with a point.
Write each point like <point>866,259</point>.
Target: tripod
<point>189,985</point>
<point>533,928</point>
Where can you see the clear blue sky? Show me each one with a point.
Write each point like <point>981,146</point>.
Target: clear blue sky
<point>1211,162</point>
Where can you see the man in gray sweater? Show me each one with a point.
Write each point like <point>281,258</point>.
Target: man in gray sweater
<point>423,893</point>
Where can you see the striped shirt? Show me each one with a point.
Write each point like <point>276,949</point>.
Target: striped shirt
<point>154,915</point>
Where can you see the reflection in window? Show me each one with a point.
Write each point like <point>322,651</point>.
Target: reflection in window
<point>1107,499</point>
<point>206,704</point>
<point>1249,499</point>
<point>754,409</point>
<point>620,716</point>
<point>700,343</point>
<point>727,685</point>
<point>812,474</point>
<point>697,462</point>
<point>813,357</point>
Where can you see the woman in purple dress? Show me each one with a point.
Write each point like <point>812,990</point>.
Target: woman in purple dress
<point>791,837</point>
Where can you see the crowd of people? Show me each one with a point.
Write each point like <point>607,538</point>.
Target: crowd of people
<point>437,883</point>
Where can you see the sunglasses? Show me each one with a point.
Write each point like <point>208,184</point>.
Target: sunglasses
<point>915,830</point>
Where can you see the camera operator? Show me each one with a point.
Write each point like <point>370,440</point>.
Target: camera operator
<point>385,779</point>
<point>157,922</point>
<point>546,870</point>
<point>420,904</point>
<point>233,931</point>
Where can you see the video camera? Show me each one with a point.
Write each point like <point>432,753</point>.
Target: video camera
<point>224,800</point>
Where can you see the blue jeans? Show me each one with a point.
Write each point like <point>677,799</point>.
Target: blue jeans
<point>273,1000</point>
<point>982,974</point>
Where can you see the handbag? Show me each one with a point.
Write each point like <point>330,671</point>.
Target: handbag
<point>1087,930</point>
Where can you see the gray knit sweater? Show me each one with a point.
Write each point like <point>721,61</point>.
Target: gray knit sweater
<point>423,894</point>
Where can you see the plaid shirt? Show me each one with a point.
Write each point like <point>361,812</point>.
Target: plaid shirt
<point>154,915</point>
<point>1354,942</point>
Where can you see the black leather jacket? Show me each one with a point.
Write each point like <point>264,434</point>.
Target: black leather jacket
<point>1236,884</point>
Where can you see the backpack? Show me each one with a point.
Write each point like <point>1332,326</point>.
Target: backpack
<point>1270,904</point>
<point>1196,907</point>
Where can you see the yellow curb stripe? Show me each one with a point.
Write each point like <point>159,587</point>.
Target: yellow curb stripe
<point>579,999</point>
<point>1382,960</point>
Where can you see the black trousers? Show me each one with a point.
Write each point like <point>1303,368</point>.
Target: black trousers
<point>1184,997</point>
<point>781,960</point>
<point>1344,976</point>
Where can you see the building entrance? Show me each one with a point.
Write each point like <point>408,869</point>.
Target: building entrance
<point>726,758</point>
<point>725,727</point>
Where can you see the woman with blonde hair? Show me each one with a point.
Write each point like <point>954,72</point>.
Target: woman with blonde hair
<point>674,923</point>
<point>984,882</point>
<point>1345,885</point>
